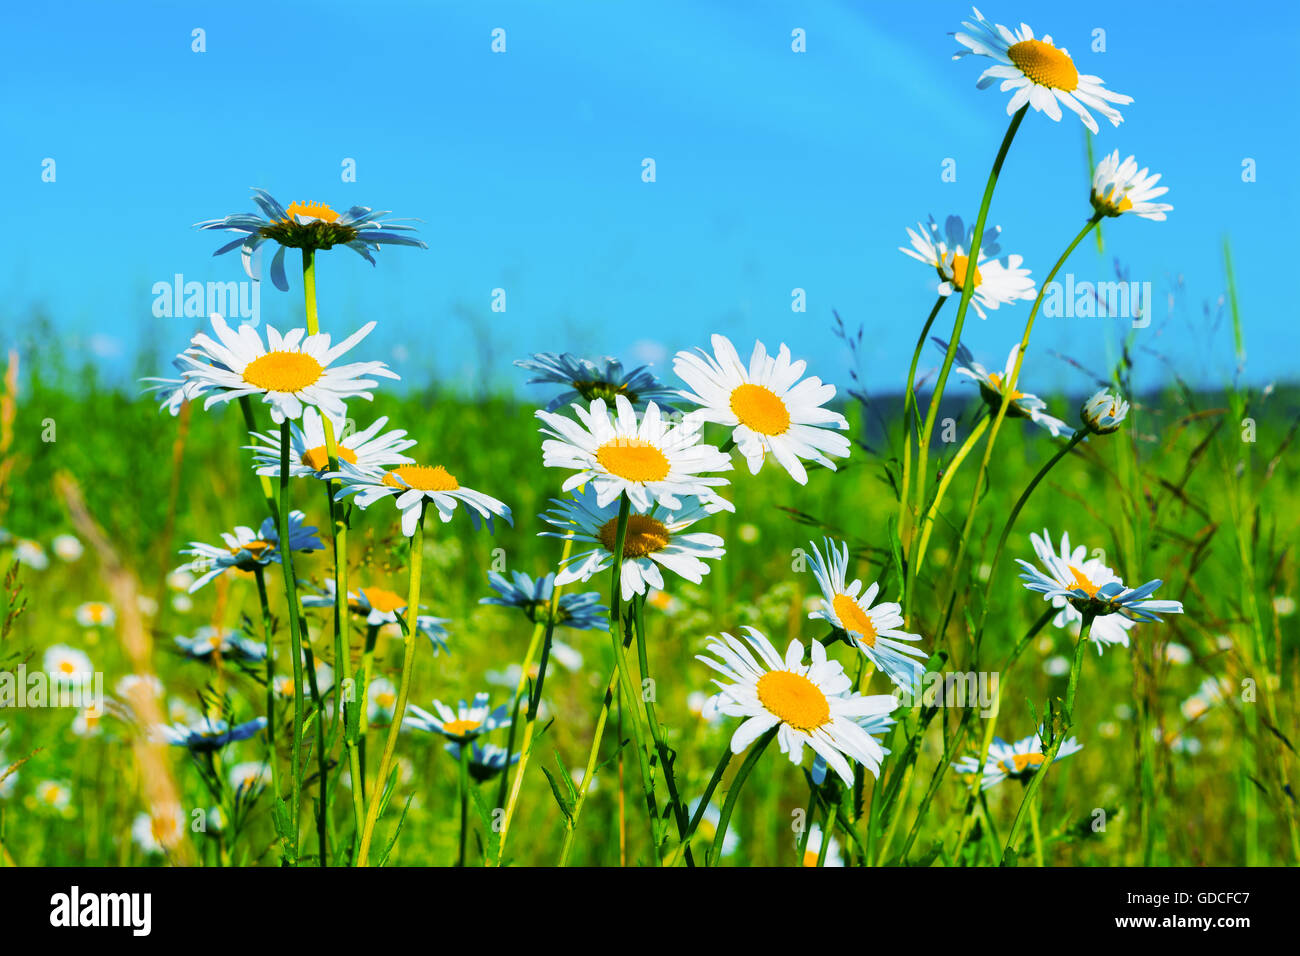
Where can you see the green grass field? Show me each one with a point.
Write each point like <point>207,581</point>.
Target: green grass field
<point>1168,773</point>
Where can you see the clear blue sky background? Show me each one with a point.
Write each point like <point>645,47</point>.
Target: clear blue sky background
<point>775,170</point>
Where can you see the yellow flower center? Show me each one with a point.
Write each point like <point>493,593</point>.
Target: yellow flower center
<point>422,478</point>
<point>52,795</point>
<point>1019,762</point>
<point>633,459</point>
<point>316,210</point>
<point>318,458</point>
<point>1113,204</point>
<point>459,728</point>
<point>760,409</point>
<point>1044,64</point>
<point>795,699</point>
<point>255,548</point>
<point>644,535</point>
<point>283,371</point>
<point>959,265</point>
<point>810,857</point>
<point>383,600</point>
<point>164,828</point>
<point>67,667</point>
<point>385,699</point>
<point>995,379</point>
<point>854,619</point>
<point>97,612</point>
<point>1082,583</point>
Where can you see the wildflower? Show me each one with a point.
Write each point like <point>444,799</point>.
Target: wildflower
<point>1091,587</point>
<point>1042,74</point>
<point>381,699</point>
<point>414,485</point>
<point>1103,413</point>
<point>293,372</point>
<point>708,827</point>
<point>655,537</point>
<point>86,723</point>
<point>68,667</point>
<point>587,380</point>
<point>67,548</point>
<point>248,778</point>
<point>465,723</point>
<point>877,725</point>
<point>159,831</point>
<point>811,704</point>
<point>768,408</point>
<point>872,630</point>
<point>95,614</point>
<point>1118,188</point>
<point>996,282</point>
<point>993,389</point>
<point>368,450</point>
<point>30,553</point>
<point>53,796</point>
<point>582,612</point>
<point>208,642</point>
<point>1018,761</point>
<point>209,734</point>
<point>648,460</point>
<point>247,550</point>
<point>485,760</point>
<point>311,226</point>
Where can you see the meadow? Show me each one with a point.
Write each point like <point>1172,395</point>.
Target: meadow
<point>1013,629</point>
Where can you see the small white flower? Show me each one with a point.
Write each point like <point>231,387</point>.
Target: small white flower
<point>1103,413</point>
<point>1018,760</point>
<point>159,831</point>
<point>413,486</point>
<point>68,667</point>
<point>1119,188</point>
<point>998,280</point>
<point>67,548</point>
<point>96,614</point>
<point>368,450</point>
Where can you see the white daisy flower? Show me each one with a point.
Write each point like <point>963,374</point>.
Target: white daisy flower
<point>132,684</point>
<point>1118,188</point>
<point>1091,586</point>
<point>463,724</point>
<point>249,777</point>
<point>67,548</point>
<point>998,281</point>
<point>308,454</point>
<point>87,722</point>
<point>380,607</point>
<point>381,699</point>
<point>877,725</point>
<point>768,409</point>
<point>30,553</point>
<point>68,667</point>
<point>1107,630</point>
<point>95,614</point>
<point>811,704</point>
<point>812,852</point>
<point>284,685</point>
<point>414,485</point>
<point>1104,412</point>
<point>247,549</point>
<point>1019,760</point>
<point>208,733</point>
<point>53,795</point>
<point>224,642</point>
<point>159,831</point>
<point>1042,74</point>
<point>648,460</point>
<point>993,388</point>
<point>655,538</point>
<point>872,630</point>
<point>587,380</point>
<point>485,760</point>
<point>294,372</point>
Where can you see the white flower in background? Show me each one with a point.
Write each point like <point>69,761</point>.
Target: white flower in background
<point>290,372</point>
<point>368,450</point>
<point>812,852</point>
<point>248,550</point>
<point>1019,760</point>
<point>811,704</point>
<point>1119,188</point>
<point>587,380</point>
<point>53,795</point>
<point>160,831</point>
<point>649,460</point>
<point>30,553</point>
<point>1042,74</point>
<point>414,486</point>
<point>248,778</point>
<point>96,614</point>
<point>68,667</point>
<point>768,408</point>
<point>993,389</point>
<point>465,723</point>
<point>67,548</point>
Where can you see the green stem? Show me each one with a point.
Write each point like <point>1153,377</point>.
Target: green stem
<point>250,424</point>
<point>927,524</point>
<point>733,794</point>
<point>403,691</point>
<point>464,799</point>
<point>295,632</point>
<point>1011,851</point>
<point>909,420</point>
<point>589,773</point>
<point>268,630</point>
<point>967,289</point>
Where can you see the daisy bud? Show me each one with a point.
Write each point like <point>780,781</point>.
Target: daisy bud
<point>1104,412</point>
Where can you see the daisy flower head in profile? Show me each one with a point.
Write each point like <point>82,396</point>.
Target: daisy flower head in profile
<point>209,642</point>
<point>308,226</point>
<point>464,724</point>
<point>647,458</point>
<point>172,393</point>
<point>485,760</point>
<point>581,612</point>
<point>379,607</point>
<point>998,280</point>
<point>1106,631</point>
<point>289,372</point>
<point>95,614</point>
<point>993,388</point>
<point>1090,588</point>
<point>586,381</point>
<point>415,486</point>
<point>368,450</point>
<point>770,409</point>
<point>874,629</point>
<point>159,831</point>
<point>1119,188</point>
<point>808,703</point>
<point>1104,412</point>
<point>208,734</point>
<point>1042,74</point>
<point>1020,760</point>
<point>68,667</point>
<point>655,538</point>
<point>248,550</point>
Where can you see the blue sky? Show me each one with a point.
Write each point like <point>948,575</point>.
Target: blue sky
<point>775,170</point>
